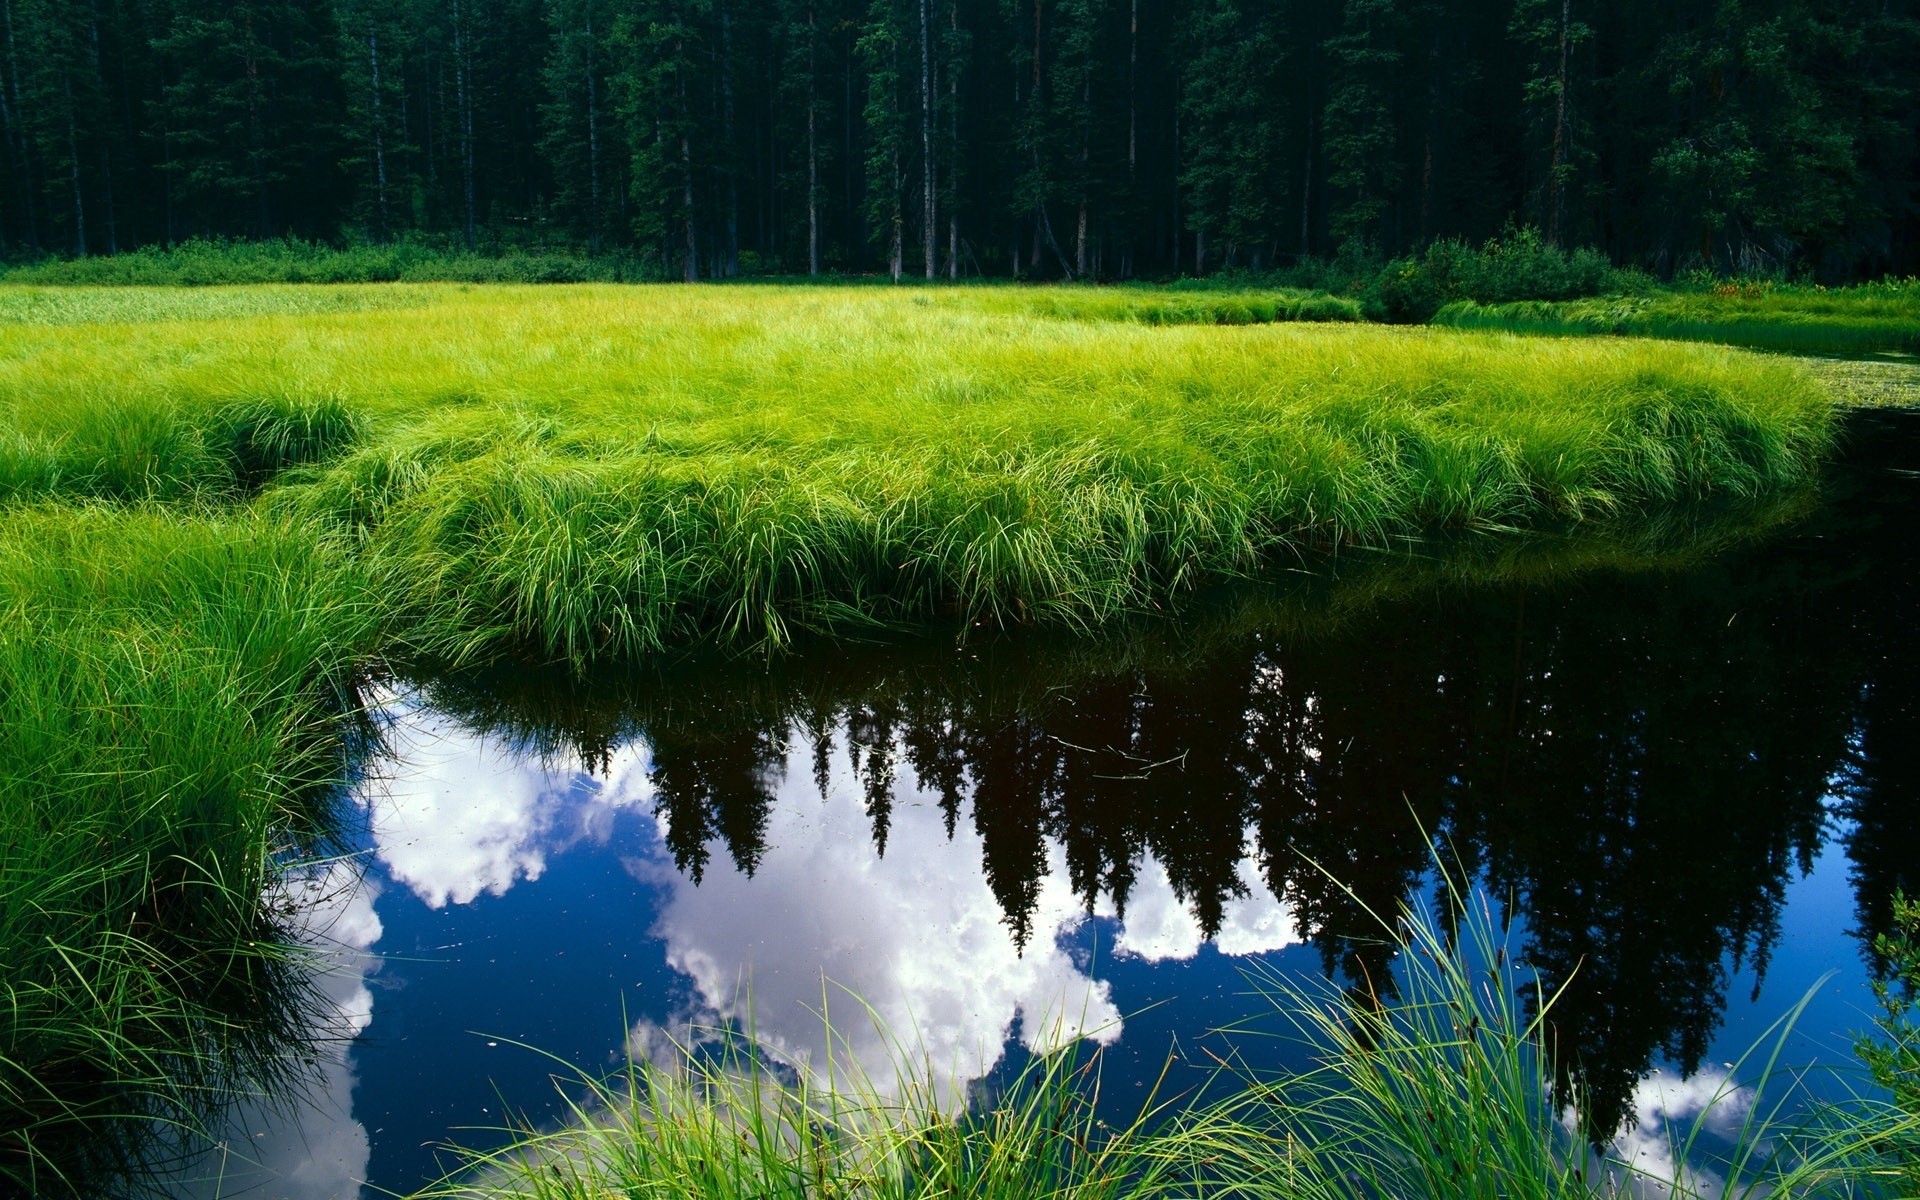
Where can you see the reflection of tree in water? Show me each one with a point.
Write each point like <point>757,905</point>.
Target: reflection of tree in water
<point>1638,763</point>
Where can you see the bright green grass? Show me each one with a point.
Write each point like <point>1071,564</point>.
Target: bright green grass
<point>1873,317</point>
<point>598,471</point>
<point>169,691</point>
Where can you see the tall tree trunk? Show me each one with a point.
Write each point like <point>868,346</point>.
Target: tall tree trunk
<point>464,99</point>
<point>813,149</point>
<point>15,169</point>
<point>593,142</point>
<point>256,127</point>
<point>1434,97</point>
<point>953,145</point>
<point>1086,136</point>
<point>731,251</point>
<point>690,269</point>
<point>379,135</point>
<point>106,153</point>
<point>929,222</point>
<point>73,174</point>
<point>25,147</point>
<point>896,239</point>
<point>1556,191</point>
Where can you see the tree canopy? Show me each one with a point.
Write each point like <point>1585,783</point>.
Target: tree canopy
<point>1031,138</point>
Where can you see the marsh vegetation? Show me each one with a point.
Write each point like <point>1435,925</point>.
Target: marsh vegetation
<point>222,507</point>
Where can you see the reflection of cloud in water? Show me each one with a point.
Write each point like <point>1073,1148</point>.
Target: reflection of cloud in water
<point>459,813</point>
<point>1161,926</point>
<point>917,935</point>
<point>309,1147</point>
<point>1669,1109</point>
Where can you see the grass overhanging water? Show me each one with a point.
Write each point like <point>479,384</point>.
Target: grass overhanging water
<point>213,517</point>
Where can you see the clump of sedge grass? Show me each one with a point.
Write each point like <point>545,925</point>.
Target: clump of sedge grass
<point>172,691</point>
<point>718,1119</point>
<point>589,473</point>
<point>1450,1088</point>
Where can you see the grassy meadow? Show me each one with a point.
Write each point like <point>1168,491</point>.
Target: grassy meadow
<point>594,472</point>
<point>218,507</point>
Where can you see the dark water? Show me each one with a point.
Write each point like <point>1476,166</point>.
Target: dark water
<point>1692,787</point>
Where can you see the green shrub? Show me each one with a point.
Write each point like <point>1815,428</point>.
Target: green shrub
<point>1519,266</point>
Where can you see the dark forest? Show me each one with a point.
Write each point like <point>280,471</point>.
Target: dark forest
<point>956,138</point>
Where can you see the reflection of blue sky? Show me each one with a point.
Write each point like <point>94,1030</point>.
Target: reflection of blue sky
<point>917,934</point>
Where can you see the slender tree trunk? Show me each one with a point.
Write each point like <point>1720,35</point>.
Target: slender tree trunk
<point>1556,192</point>
<point>690,269</point>
<point>25,147</point>
<point>464,99</point>
<point>593,142</point>
<point>813,149</point>
<point>896,239</point>
<point>1176,175</point>
<point>731,265</point>
<point>929,221</point>
<point>1086,135</point>
<point>15,169</point>
<point>1434,67</point>
<point>106,153</point>
<point>256,127</point>
<point>953,145</point>
<point>379,136</point>
<point>73,174</point>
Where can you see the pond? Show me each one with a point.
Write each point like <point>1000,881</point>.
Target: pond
<point>1681,761</point>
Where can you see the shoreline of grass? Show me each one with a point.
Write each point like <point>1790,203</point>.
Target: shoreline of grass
<point>1802,319</point>
<point>210,519</point>
<point>598,473</point>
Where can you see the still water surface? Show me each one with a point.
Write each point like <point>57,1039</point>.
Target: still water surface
<point>1690,787</point>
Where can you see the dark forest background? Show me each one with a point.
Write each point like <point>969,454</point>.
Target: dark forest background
<point>1034,138</point>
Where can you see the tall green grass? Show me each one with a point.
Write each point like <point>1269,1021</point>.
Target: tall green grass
<point>1854,320</point>
<point>172,689</point>
<point>593,472</point>
<point>1443,1083</point>
<point>721,1119</point>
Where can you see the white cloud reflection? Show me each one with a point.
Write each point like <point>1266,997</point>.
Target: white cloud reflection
<point>1669,1107</point>
<point>456,813</point>
<point>309,1146</point>
<point>917,935</point>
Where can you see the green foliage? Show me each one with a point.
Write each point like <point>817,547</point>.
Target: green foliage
<point>1808,319</point>
<point>201,263</point>
<point>1892,1053</point>
<point>718,1117</point>
<point>1445,1090</point>
<point>1518,266</point>
<point>602,472</point>
<point>1446,1087</point>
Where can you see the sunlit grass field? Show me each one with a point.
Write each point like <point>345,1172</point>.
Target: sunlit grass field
<point>588,471</point>
<point>218,506</point>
